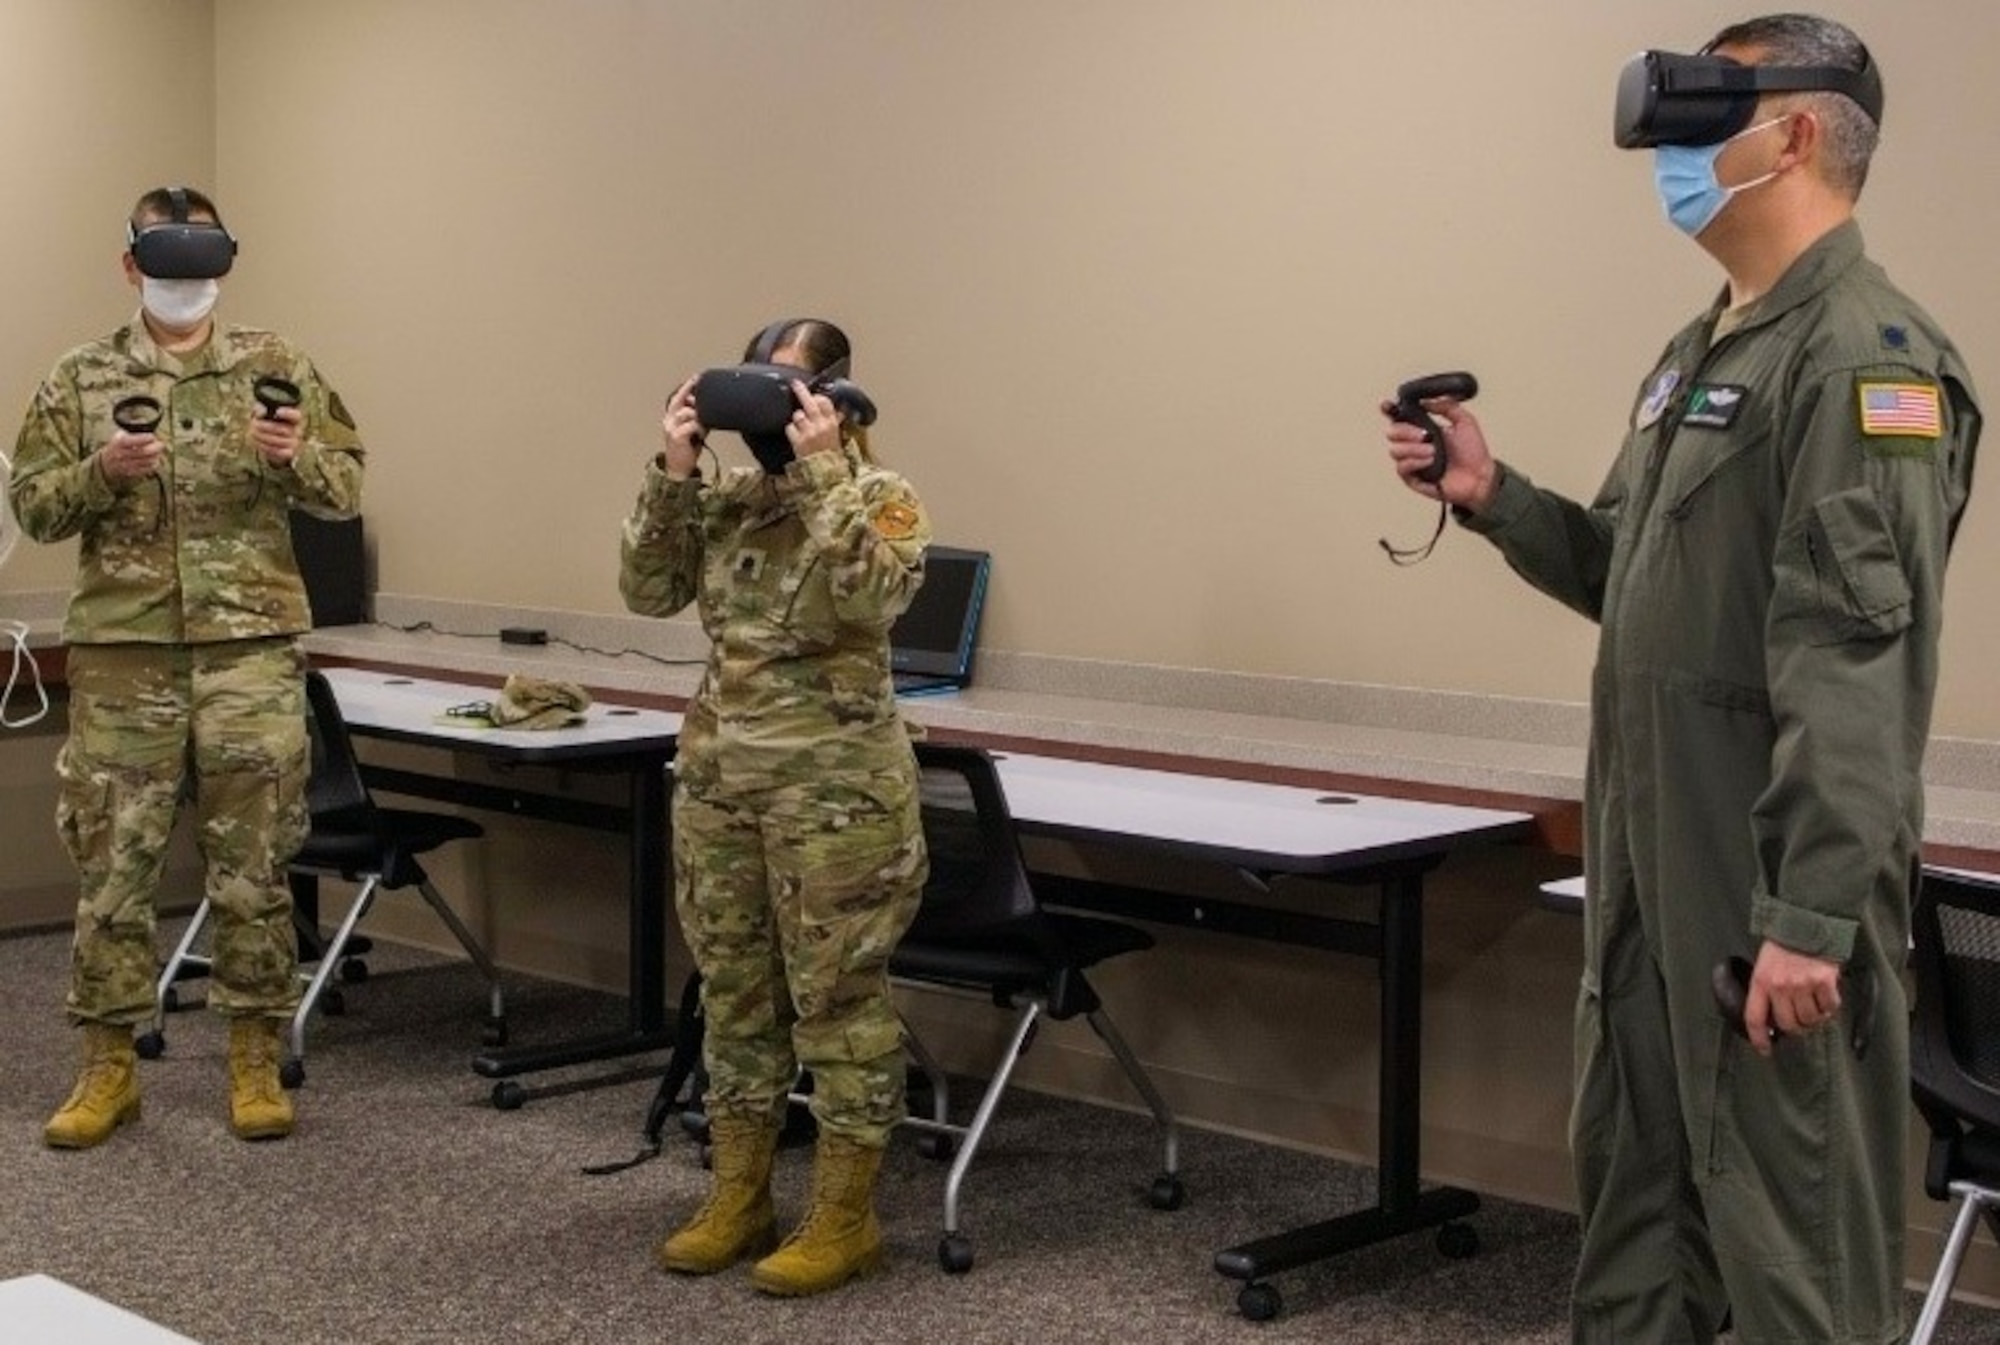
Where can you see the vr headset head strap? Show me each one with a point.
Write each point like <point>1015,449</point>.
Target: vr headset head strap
<point>1669,99</point>
<point>766,344</point>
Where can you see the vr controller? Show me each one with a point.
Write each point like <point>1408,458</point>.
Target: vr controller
<point>1731,984</point>
<point>757,398</point>
<point>274,394</point>
<point>141,414</point>
<point>138,414</point>
<point>1409,409</point>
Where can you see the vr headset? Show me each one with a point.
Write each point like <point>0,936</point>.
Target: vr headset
<point>755,398</point>
<point>179,248</point>
<point>1668,99</point>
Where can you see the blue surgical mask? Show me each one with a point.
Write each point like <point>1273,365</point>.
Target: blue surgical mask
<point>1685,177</point>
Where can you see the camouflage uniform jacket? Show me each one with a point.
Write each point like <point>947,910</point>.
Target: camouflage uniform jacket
<point>799,578</point>
<point>200,551</point>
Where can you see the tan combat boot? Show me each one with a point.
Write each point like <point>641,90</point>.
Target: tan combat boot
<point>736,1220</point>
<point>839,1239</point>
<point>259,1107</point>
<point>106,1094</point>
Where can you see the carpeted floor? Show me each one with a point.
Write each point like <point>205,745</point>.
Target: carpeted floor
<point>406,1209</point>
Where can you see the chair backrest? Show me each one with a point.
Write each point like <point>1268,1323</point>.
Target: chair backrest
<point>1955,1027</point>
<point>978,888</point>
<point>336,797</point>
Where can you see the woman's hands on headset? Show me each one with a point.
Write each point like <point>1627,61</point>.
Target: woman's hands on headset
<point>815,426</point>
<point>681,431</point>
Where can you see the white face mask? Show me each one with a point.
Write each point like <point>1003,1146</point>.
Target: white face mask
<point>178,304</point>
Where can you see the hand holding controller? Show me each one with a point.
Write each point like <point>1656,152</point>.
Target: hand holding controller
<point>1409,409</point>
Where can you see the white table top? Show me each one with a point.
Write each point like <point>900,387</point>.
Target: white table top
<point>40,1308</point>
<point>414,707</point>
<point>1237,821</point>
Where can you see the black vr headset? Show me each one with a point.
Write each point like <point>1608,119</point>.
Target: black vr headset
<point>179,248</point>
<point>1667,99</point>
<point>755,398</point>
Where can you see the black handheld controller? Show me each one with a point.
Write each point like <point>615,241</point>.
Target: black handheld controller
<point>274,393</point>
<point>1731,979</point>
<point>1409,409</point>
<point>138,414</point>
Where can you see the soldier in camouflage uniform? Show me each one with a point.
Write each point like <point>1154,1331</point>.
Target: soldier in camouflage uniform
<point>184,669</point>
<point>1766,559</point>
<point>798,852</point>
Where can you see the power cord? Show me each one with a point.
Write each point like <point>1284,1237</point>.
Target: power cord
<point>431,628</point>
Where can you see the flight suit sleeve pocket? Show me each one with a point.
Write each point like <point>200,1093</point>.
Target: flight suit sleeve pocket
<point>1863,593</point>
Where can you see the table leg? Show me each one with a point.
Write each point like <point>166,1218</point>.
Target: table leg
<point>1400,1206</point>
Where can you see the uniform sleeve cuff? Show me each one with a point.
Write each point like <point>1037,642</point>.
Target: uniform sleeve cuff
<point>815,472</point>
<point>1813,933</point>
<point>1511,498</point>
<point>661,488</point>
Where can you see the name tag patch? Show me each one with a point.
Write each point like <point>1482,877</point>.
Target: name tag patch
<point>1713,406</point>
<point>1900,410</point>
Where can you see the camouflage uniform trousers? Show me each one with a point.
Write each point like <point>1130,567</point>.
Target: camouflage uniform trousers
<point>791,898</point>
<point>140,717</point>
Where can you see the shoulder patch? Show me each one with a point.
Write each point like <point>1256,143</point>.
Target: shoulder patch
<point>895,520</point>
<point>1900,410</point>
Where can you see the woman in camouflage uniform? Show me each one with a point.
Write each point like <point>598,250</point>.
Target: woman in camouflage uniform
<point>798,853</point>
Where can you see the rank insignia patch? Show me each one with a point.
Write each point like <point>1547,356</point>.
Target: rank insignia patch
<point>1904,410</point>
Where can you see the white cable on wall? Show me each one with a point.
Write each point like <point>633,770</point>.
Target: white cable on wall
<point>16,631</point>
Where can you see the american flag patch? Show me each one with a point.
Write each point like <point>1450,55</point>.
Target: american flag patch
<point>1908,409</point>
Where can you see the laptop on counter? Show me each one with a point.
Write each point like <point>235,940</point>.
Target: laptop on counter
<point>930,646</point>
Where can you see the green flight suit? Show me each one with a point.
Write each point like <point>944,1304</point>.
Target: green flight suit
<point>1766,560</point>
<point>798,848</point>
<point>184,666</point>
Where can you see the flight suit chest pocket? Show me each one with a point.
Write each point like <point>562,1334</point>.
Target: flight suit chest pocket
<point>1698,459</point>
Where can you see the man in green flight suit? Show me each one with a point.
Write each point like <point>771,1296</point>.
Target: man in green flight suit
<point>1766,560</point>
<point>168,450</point>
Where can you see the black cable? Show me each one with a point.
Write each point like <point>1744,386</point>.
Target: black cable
<point>431,628</point>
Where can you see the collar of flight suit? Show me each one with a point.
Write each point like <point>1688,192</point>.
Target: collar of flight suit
<point>1811,273</point>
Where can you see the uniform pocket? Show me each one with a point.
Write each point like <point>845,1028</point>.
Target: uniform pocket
<point>1860,588</point>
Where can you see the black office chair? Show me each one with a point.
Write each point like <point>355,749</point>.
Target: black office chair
<point>354,839</point>
<point>980,929</point>
<point>1955,1061</point>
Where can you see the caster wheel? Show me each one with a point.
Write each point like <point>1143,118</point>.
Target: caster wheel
<point>1166,1192</point>
<point>493,1034</point>
<point>1259,1302</point>
<point>353,971</point>
<point>1457,1241</point>
<point>695,1125</point>
<point>509,1096</point>
<point>292,1073</point>
<point>170,1000</point>
<point>150,1045</point>
<point>937,1148</point>
<point>332,1003</point>
<point>955,1253</point>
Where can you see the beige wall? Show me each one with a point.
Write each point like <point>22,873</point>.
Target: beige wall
<point>99,100</point>
<point>1126,276</point>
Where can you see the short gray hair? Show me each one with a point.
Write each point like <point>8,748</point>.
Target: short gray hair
<point>1806,39</point>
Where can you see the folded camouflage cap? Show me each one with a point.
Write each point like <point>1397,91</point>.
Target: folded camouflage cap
<point>538,703</point>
